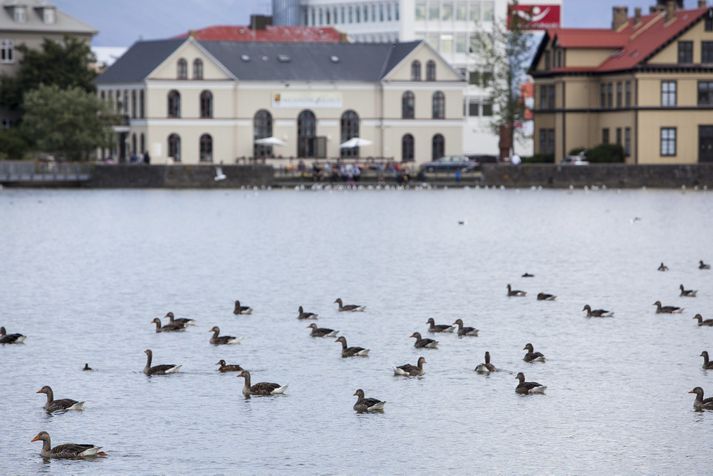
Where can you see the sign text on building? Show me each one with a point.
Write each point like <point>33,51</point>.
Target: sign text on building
<point>306,99</point>
<point>536,17</point>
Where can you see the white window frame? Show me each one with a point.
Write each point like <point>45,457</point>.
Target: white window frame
<point>7,51</point>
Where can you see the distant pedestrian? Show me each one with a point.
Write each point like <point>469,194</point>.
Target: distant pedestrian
<point>147,158</point>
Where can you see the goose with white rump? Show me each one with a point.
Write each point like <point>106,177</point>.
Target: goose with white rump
<point>687,292</point>
<point>172,319</point>
<point>546,297</point>
<point>217,339</point>
<point>667,309</point>
<point>486,368</point>
<point>321,331</point>
<point>301,314</point>
<point>464,331</point>
<point>262,389</point>
<point>700,403</point>
<point>515,292</point>
<point>241,310</point>
<point>349,307</point>
<point>351,351</point>
<point>703,322</point>
<point>164,369</point>
<point>422,343</point>
<point>528,388</point>
<point>62,405</point>
<point>438,328</point>
<point>170,327</point>
<point>6,338</point>
<point>596,312</point>
<point>408,370</point>
<point>531,355</point>
<point>367,405</point>
<point>68,450</point>
<point>707,364</point>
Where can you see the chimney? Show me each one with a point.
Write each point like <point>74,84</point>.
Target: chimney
<point>637,15</point>
<point>260,22</point>
<point>620,16</point>
<point>670,10</point>
<point>702,4</point>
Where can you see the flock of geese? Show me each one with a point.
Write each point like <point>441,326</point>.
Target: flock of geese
<point>363,404</point>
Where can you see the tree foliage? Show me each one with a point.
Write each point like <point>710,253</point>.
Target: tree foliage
<point>13,145</point>
<point>70,123</point>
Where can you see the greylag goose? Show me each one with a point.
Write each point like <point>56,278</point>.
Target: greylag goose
<point>261,389</point>
<point>667,309</point>
<point>663,267</point>
<point>701,322</point>
<point>165,369</point>
<point>62,405</point>
<point>367,405</point>
<point>242,309</point>
<point>349,307</point>
<point>87,368</point>
<point>687,292</point>
<point>301,314</point>
<point>218,339</point>
<point>465,331</point>
<point>180,320</point>
<point>700,403</point>
<point>528,388</point>
<point>528,275</point>
<point>408,370</point>
<point>223,367</point>
<point>515,292</point>
<point>702,265</point>
<point>546,297</point>
<point>707,364</point>
<point>170,327</point>
<point>321,331</point>
<point>66,451</point>
<point>6,338</point>
<point>422,343</point>
<point>597,312</point>
<point>438,328</point>
<point>352,351</point>
<point>531,355</point>
<point>487,367</point>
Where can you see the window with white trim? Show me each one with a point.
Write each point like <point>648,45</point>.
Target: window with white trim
<point>7,51</point>
<point>668,141</point>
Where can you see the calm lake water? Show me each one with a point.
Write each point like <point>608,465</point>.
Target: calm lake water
<point>84,272</point>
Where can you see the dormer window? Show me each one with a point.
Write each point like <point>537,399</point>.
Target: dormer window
<point>20,14</point>
<point>49,15</point>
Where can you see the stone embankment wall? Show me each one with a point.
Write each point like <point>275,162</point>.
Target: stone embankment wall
<point>179,176</point>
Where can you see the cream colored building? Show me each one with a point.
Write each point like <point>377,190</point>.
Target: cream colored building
<point>646,83</point>
<point>193,101</point>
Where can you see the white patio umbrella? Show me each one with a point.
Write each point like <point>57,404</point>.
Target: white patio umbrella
<point>270,141</point>
<point>355,142</point>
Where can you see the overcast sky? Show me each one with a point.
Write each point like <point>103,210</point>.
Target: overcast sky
<point>121,22</point>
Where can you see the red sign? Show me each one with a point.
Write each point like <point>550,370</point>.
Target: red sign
<point>536,17</point>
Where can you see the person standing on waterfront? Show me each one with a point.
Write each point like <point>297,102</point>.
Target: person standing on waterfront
<point>147,158</point>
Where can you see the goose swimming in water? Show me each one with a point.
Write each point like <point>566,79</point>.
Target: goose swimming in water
<point>223,367</point>
<point>662,267</point>
<point>217,339</point>
<point>465,331</point>
<point>700,404</point>
<point>515,292</point>
<point>528,388</point>
<point>262,389</point>
<point>422,343</point>
<point>528,275</point>
<point>87,368</point>
<point>351,351</point>
<point>181,320</point>
<point>707,364</point>
<point>667,309</point>
<point>66,451</point>
<point>531,355</point>
<point>62,405</point>
<point>349,307</point>
<point>701,322</point>
<point>367,405</point>
<point>6,338</point>
<point>301,314</point>
<point>702,265</point>
<point>170,327</point>
<point>597,312</point>
<point>438,328</point>
<point>487,367</point>
<point>687,292</point>
<point>321,331</point>
<point>408,370</point>
<point>240,310</point>
<point>165,369</point>
<point>546,297</point>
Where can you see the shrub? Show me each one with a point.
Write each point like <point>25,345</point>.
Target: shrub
<point>539,159</point>
<point>13,145</point>
<point>606,154</point>
<point>577,151</point>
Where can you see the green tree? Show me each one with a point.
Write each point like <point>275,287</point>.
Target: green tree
<point>13,145</point>
<point>506,52</point>
<point>70,123</point>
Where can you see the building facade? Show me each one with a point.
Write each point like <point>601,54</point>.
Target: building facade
<point>30,22</point>
<point>646,84</point>
<point>192,101</point>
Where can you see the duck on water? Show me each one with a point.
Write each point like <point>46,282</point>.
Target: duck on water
<point>438,328</point>
<point>408,370</point>
<point>700,403</point>
<point>217,339</point>
<point>62,405</point>
<point>262,389</point>
<point>6,338</point>
<point>164,369</point>
<point>486,368</point>
<point>422,343</point>
<point>596,312</point>
<point>321,331</point>
<point>241,310</point>
<point>667,309</point>
<point>528,388</point>
<point>349,307</point>
<point>68,450</point>
<point>367,405</point>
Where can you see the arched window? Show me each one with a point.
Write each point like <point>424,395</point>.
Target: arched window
<point>174,147</point>
<point>198,68</point>
<point>349,130</point>
<point>407,148</point>
<point>142,105</point>
<point>142,142</point>
<point>416,71</point>
<point>133,144</point>
<point>438,147</point>
<point>438,105</point>
<point>431,70</point>
<point>206,148</point>
<point>182,69</point>
<point>408,105</point>
<point>206,105</point>
<point>306,134</point>
<point>174,104</point>
<point>134,111</point>
<point>262,128</point>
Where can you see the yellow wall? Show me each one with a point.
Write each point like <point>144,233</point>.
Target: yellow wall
<point>669,55</point>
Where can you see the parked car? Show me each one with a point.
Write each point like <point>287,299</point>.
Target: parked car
<point>450,163</point>
<point>579,159</point>
<point>484,158</point>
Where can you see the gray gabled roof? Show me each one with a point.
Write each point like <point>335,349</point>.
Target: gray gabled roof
<point>63,23</point>
<point>362,62</point>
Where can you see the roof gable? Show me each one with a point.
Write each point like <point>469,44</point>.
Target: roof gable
<point>399,65</point>
<point>139,61</point>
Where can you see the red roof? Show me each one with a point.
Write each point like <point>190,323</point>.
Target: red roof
<point>633,43</point>
<point>276,34</point>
